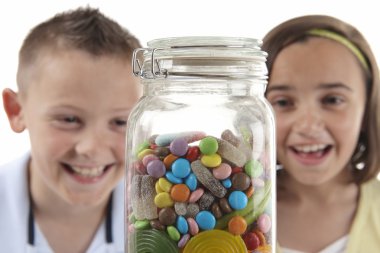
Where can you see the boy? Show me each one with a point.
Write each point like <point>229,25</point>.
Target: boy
<point>75,91</point>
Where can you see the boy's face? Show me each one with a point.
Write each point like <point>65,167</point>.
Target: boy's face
<point>76,108</point>
<point>317,89</point>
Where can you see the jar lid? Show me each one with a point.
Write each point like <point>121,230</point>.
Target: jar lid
<point>201,56</point>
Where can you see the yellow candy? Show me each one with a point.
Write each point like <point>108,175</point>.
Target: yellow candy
<point>215,241</point>
<point>163,199</point>
<point>212,161</point>
<point>165,185</point>
<point>144,152</point>
<point>158,188</point>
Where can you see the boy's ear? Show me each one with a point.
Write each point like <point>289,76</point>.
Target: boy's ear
<point>13,110</point>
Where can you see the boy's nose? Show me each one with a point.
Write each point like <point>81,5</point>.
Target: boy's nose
<point>91,142</point>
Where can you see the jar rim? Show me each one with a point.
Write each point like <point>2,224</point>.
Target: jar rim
<point>205,41</point>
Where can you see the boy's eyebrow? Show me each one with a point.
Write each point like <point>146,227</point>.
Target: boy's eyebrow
<point>334,86</point>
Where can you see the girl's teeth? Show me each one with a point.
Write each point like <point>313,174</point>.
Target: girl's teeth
<point>310,148</point>
<point>88,172</point>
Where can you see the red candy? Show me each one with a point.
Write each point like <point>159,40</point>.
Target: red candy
<point>193,153</point>
<point>251,240</point>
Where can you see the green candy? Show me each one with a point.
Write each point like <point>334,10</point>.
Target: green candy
<point>152,240</point>
<point>208,145</point>
<point>253,168</point>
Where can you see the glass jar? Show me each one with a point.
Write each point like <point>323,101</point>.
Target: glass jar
<point>201,149</point>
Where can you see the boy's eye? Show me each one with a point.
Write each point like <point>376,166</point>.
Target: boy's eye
<point>70,119</point>
<point>120,122</point>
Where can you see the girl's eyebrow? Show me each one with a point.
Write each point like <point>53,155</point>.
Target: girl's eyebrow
<point>278,87</point>
<point>284,87</point>
<point>334,86</point>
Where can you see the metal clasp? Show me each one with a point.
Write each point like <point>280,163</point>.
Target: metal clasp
<point>138,68</point>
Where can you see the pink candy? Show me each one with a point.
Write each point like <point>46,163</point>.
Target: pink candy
<point>222,172</point>
<point>264,223</point>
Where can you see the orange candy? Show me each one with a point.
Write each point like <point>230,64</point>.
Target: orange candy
<point>168,160</point>
<point>180,193</point>
<point>237,225</point>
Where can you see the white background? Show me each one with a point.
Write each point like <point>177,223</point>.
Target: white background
<point>167,18</point>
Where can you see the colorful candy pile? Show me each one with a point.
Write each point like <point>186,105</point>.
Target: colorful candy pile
<point>188,197</point>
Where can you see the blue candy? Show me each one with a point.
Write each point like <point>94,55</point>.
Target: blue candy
<point>191,182</point>
<point>182,225</point>
<point>205,220</point>
<point>173,179</point>
<point>181,168</point>
<point>238,200</point>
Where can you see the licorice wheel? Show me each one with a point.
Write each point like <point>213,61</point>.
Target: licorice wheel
<point>151,241</point>
<point>215,241</point>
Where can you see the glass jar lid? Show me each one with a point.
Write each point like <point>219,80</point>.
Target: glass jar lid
<point>201,56</point>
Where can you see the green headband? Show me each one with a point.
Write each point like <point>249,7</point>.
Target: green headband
<point>342,40</point>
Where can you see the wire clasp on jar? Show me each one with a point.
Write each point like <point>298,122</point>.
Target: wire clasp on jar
<point>155,71</point>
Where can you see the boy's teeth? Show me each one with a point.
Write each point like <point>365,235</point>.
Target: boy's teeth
<point>88,172</point>
<point>310,148</point>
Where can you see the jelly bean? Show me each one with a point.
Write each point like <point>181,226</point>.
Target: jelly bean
<point>148,158</point>
<point>223,203</point>
<point>163,199</point>
<point>164,184</point>
<point>216,211</point>
<point>236,170</point>
<point>180,193</point>
<point>167,216</point>
<point>253,168</point>
<point>173,233</point>
<point>181,168</point>
<point>156,224</point>
<point>192,153</point>
<point>178,146</point>
<point>195,195</point>
<point>205,220</point>
<point>249,192</point>
<point>191,182</point>
<point>173,179</point>
<point>264,223</point>
<point>182,242</point>
<point>180,208</point>
<point>222,172</point>
<point>206,201</point>
<point>139,167</point>
<point>142,224</point>
<point>208,145</point>
<point>156,168</point>
<point>237,225</point>
<point>227,183</point>
<point>251,241</point>
<point>192,210</point>
<point>161,151</point>
<point>240,181</point>
<point>169,159</point>
<point>193,226</point>
<point>238,200</point>
<point>211,161</point>
<point>182,225</point>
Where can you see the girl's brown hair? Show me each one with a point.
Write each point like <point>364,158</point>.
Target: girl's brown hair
<point>366,155</point>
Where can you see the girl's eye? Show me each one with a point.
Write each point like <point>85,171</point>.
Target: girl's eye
<point>282,103</point>
<point>332,100</point>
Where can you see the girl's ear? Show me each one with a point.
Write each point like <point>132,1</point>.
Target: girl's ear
<point>13,109</point>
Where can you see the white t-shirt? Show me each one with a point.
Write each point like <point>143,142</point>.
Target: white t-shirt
<point>14,210</point>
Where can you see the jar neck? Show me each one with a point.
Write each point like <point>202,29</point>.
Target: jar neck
<point>222,87</point>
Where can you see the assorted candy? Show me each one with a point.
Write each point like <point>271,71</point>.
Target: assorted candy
<point>190,192</point>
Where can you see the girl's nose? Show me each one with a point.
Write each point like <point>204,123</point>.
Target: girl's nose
<point>309,123</point>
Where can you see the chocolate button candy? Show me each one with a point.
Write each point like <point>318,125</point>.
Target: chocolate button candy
<point>167,216</point>
<point>240,181</point>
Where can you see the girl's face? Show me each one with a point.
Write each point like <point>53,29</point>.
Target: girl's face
<point>76,109</point>
<point>317,90</point>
